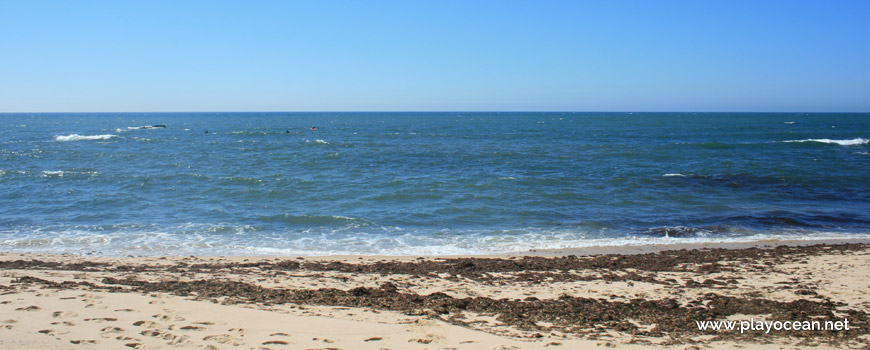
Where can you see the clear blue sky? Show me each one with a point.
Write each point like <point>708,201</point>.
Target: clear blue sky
<point>410,55</point>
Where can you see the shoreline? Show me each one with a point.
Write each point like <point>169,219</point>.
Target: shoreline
<point>554,252</point>
<point>655,248</point>
<point>649,296</point>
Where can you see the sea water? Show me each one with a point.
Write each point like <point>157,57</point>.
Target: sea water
<point>425,183</point>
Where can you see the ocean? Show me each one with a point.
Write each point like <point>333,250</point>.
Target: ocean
<point>112,184</point>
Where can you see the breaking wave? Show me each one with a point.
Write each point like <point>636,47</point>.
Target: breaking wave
<point>852,142</point>
<point>77,137</point>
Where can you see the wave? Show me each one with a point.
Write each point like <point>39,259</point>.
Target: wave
<point>793,186</point>
<point>733,180</point>
<point>679,231</point>
<point>317,220</point>
<point>47,173</point>
<point>77,137</point>
<point>852,142</point>
<point>789,219</point>
<point>249,133</point>
<point>227,239</point>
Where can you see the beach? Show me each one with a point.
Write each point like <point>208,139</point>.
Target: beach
<point>653,296</point>
<point>434,175</point>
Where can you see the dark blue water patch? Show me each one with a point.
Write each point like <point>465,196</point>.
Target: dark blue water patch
<point>803,220</point>
<point>792,185</point>
<point>768,222</point>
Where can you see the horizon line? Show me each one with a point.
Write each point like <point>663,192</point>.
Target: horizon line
<point>438,111</point>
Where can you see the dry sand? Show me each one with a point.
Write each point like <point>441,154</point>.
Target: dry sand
<point>550,301</point>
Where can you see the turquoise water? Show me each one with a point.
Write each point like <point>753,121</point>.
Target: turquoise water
<point>425,183</point>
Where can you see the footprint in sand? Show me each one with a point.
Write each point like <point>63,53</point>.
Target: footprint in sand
<point>164,317</point>
<point>171,339</point>
<point>91,300</point>
<point>124,310</point>
<point>64,323</point>
<point>83,341</point>
<point>279,334</point>
<point>101,319</point>
<point>223,339</point>
<point>29,308</point>
<point>146,324</point>
<point>112,330</point>
<point>63,314</point>
<point>53,332</point>
<point>373,339</point>
<point>193,328</point>
<point>241,331</point>
<point>275,342</point>
<point>135,345</point>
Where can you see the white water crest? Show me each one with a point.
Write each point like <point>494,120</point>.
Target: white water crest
<point>213,240</point>
<point>77,137</point>
<point>47,173</point>
<point>852,142</point>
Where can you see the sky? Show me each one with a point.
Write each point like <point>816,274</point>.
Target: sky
<point>408,55</point>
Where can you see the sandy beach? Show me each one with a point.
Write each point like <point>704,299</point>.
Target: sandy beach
<point>650,296</point>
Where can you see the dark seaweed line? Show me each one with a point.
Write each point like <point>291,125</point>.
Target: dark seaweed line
<point>568,314</point>
<point>703,260</point>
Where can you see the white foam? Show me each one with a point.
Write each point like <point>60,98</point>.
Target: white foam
<point>852,142</point>
<point>788,123</point>
<point>77,137</point>
<point>672,175</point>
<point>226,239</point>
<point>321,141</point>
<point>444,245</point>
<point>47,173</point>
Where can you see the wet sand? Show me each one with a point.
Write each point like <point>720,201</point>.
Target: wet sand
<point>588,298</point>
